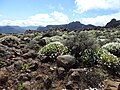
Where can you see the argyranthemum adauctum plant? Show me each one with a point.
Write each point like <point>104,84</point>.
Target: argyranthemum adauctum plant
<point>53,49</point>
<point>113,48</point>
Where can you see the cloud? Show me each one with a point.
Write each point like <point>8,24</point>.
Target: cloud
<point>39,19</point>
<point>85,5</point>
<point>0,15</point>
<point>100,20</point>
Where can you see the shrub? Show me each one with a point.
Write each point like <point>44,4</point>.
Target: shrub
<point>53,39</point>
<point>113,48</point>
<point>53,49</point>
<point>90,57</point>
<point>9,40</point>
<point>36,42</point>
<point>47,40</point>
<point>106,58</point>
<point>56,38</point>
<point>53,32</point>
<point>110,61</point>
<point>80,42</point>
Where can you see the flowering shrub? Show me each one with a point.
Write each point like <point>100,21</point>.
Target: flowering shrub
<point>110,61</point>
<point>53,49</point>
<point>113,48</point>
<point>90,57</point>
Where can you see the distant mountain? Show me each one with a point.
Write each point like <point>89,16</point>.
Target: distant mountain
<point>11,29</point>
<point>113,23</point>
<point>30,27</point>
<point>70,26</point>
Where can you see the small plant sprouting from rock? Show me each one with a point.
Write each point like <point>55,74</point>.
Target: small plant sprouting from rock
<point>25,66</point>
<point>19,86</point>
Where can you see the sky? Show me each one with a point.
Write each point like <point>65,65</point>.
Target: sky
<point>54,12</point>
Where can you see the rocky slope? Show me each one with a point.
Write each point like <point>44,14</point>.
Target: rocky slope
<point>113,23</point>
<point>23,68</point>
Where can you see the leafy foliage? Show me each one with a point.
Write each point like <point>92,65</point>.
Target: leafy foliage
<point>110,61</point>
<point>113,48</point>
<point>90,57</point>
<point>79,42</point>
<point>53,49</point>
<point>6,40</point>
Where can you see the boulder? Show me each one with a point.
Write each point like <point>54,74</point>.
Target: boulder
<point>66,61</point>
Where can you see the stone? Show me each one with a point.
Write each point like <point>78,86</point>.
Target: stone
<point>18,65</point>
<point>47,82</point>
<point>66,61</point>
<point>3,77</point>
<point>26,85</point>
<point>75,76</point>
<point>61,72</point>
<point>30,54</point>
<point>33,66</point>
<point>69,85</point>
<point>39,77</point>
<point>24,77</point>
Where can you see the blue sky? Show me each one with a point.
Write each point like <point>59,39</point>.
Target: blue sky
<point>44,12</point>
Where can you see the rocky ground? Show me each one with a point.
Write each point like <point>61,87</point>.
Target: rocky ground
<point>21,68</point>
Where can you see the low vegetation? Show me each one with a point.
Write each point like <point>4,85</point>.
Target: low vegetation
<point>57,59</point>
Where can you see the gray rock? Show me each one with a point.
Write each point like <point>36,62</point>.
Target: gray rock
<point>3,77</point>
<point>18,65</point>
<point>69,85</point>
<point>75,76</point>
<point>61,72</point>
<point>24,77</point>
<point>26,85</point>
<point>33,66</point>
<point>66,61</point>
<point>47,82</point>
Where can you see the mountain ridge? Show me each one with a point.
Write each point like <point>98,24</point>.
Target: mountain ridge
<point>70,26</point>
<point>11,29</point>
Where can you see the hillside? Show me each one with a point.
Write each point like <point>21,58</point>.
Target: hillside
<point>70,26</point>
<point>113,23</point>
<point>29,27</point>
<point>58,59</point>
<point>11,29</point>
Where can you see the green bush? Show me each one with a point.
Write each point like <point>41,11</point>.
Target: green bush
<point>79,42</point>
<point>56,38</point>
<point>113,48</point>
<point>53,32</point>
<point>47,40</point>
<point>8,40</point>
<point>53,39</point>
<point>106,58</point>
<point>90,57</point>
<point>109,60</point>
<point>53,49</point>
